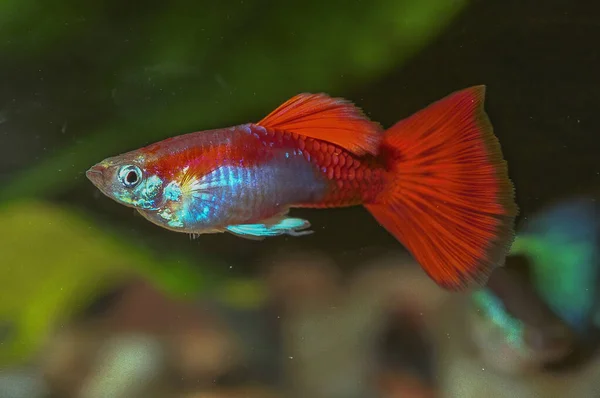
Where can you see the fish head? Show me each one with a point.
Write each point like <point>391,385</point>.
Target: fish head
<point>125,179</point>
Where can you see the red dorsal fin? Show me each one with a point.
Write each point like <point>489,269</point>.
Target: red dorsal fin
<point>449,199</point>
<point>322,117</point>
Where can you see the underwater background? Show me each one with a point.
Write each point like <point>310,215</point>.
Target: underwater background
<point>97,302</point>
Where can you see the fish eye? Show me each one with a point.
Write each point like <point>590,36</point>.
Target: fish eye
<point>130,175</point>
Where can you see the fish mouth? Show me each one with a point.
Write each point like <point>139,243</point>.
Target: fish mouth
<point>96,175</point>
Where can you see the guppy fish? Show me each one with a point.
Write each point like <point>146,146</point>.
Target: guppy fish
<point>436,180</point>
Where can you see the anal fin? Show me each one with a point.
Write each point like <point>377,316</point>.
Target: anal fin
<point>285,226</point>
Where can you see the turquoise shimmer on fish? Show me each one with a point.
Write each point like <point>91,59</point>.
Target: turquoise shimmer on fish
<point>493,311</point>
<point>436,180</point>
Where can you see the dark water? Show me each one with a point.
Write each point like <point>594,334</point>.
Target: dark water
<point>81,81</point>
<point>540,61</point>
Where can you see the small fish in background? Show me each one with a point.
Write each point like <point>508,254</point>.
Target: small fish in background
<point>559,249</point>
<point>436,181</point>
<point>562,243</point>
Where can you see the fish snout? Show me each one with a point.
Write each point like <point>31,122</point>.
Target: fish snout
<point>96,175</point>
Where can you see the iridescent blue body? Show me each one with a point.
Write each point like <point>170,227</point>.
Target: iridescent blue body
<point>242,179</point>
<point>233,193</point>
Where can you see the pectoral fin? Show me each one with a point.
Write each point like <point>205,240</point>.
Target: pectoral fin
<point>285,226</point>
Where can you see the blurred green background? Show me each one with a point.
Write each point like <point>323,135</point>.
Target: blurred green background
<point>81,81</point>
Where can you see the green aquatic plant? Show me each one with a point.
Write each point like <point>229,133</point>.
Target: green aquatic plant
<point>54,262</point>
<point>202,68</point>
